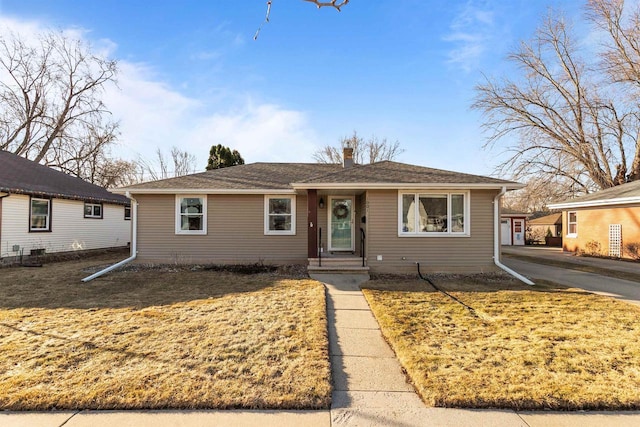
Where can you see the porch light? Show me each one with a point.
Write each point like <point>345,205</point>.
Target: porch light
<point>321,204</point>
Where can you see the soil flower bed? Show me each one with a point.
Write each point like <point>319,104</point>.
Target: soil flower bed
<point>514,346</point>
<point>160,338</point>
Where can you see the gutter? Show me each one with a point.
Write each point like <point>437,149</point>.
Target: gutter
<point>134,242</point>
<point>596,203</point>
<point>496,239</point>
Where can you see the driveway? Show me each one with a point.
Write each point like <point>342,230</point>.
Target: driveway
<point>622,289</point>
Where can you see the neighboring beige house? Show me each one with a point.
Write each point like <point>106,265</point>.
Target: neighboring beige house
<point>46,211</point>
<point>604,223</point>
<point>545,229</point>
<point>386,216</point>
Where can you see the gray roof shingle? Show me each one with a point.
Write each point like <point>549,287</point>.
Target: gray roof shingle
<point>253,176</point>
<point>22,176</point>
<point>401,173</point>
<point>263,176</point>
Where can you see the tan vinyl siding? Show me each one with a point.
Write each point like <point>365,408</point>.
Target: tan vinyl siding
<point>235,232</point>
<point>436,254</point>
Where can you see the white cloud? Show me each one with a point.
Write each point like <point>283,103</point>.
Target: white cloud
<point>153,115</point>
<point>470,33</point>
<point>263,132</point>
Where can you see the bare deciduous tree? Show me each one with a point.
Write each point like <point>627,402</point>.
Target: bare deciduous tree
<point>570,123</point>
<point>539,192</point>
<point>335,4</point>
<point>180,163</point>
<point>364,151</point>
<point>50,105</point>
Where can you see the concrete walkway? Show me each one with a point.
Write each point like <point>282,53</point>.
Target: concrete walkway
<point>369,387</point>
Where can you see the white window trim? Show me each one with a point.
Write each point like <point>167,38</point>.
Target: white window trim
<point>572,235</point>
<point>449,233</point>
<point>48,222</point>
<point>268,232</point>
<point>178,222</point>
<point>127,217</point>
<point>92,216</point>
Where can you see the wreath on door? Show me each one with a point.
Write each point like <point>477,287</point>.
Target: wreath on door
<point>340,211</point>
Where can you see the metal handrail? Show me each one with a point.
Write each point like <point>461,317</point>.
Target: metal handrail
<point>319,246</point>
<point>362,238</point>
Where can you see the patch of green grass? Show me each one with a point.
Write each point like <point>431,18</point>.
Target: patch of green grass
<point>161,338</point>
<point>520,347</point>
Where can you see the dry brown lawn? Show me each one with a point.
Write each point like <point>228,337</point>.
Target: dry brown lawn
<point>160,338</point>
<point>519,347</point>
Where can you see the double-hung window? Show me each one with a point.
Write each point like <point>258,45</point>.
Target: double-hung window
<point>191,214</point>
<point>433,213</point>
<point>280,215</point>
<point>40,215</point>
<point>572,224</point>
<point>127,213</point>
<point>93,210</point>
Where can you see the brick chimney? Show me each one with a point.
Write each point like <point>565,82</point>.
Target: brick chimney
<point>347,157</point>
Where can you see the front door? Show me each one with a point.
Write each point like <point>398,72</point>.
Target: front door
<point>341,224</point>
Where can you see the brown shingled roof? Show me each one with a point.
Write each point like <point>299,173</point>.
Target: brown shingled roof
<point>22,176</point>
<point>253,176</point>
<point>400,173</point>
<point>553,219</point>
<point>286,176</point>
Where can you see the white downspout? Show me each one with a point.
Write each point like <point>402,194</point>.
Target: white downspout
<point>496,239</point>
<point>134,242</point>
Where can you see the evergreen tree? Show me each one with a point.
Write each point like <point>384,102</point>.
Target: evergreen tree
<point>222,157</point>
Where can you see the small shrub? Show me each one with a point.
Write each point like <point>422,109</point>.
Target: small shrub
<point>633,250</point>
<point>592,248</point>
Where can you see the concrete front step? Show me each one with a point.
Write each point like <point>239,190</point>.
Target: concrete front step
<point>337,262</point>
<point>338,270</point>
<point>337,265</point>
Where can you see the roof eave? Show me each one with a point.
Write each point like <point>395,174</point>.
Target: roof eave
<point>405,185</point>
<point>203,191</point>
<point>596,203</point>
<point>49,194</point>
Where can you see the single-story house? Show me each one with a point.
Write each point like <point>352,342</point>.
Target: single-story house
<point>514,226</point>
<point>386,216</point>
<point>46,211</point>
<point>603,223</point>
<point>546,229</point>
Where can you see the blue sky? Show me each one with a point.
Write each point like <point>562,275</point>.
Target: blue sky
<point>192,76</point>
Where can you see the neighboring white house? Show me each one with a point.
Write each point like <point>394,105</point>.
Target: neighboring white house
<point>46,211</point>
